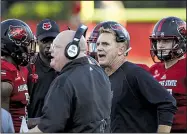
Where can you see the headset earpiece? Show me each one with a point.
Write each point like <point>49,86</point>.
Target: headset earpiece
<point>72,50</point>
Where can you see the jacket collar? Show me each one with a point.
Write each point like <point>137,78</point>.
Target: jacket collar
<point>74,63</point>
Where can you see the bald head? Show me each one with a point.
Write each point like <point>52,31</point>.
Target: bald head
<point>58,47</point>
<point>65,37</point>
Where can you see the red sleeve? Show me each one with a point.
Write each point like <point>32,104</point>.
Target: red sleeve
<point>8,74</point>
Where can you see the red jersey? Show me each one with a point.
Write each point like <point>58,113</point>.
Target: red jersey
<point>143,66</point>
<point>174,80</point>
<point>19,97</point>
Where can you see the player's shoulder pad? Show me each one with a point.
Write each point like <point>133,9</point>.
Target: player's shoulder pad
<point>8,71</point>
<point>154,67</point>
<point>5,65</point>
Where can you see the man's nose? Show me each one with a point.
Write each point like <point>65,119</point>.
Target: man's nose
<point>99,47</point>
<point>50,48</point>
<point>48,44</point>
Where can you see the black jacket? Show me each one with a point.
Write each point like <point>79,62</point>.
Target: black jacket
<point>79,99</point>
<point>38,90</point>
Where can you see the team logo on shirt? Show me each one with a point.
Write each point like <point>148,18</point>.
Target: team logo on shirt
<point>156,74</point>
<point>163,77</point>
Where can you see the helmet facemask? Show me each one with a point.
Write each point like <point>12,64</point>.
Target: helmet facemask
<point>92,46</point>
<point>28,50</point>
<point>21,53</point>
<point>161,55</point>
<point>169,28</point>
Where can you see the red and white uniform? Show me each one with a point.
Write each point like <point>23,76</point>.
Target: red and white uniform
<point>19,97</point>
<point>174,80</point>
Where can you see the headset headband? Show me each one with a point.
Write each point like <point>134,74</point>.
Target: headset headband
<point>80,31</point>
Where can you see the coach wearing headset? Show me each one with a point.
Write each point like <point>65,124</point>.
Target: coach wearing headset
<point>79,99</point>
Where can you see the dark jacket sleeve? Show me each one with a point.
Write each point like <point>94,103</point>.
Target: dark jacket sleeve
<point>56,110</point>
<point>156,94</point>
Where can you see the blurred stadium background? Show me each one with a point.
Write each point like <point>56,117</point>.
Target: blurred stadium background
<point>138,17</point>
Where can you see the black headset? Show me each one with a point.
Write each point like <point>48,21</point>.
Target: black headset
<point>72,50</point>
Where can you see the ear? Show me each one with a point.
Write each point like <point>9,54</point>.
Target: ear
<point>121,50</point>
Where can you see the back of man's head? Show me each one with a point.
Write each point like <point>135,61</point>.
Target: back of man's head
<point>66,37</point>
<point>58,49</point>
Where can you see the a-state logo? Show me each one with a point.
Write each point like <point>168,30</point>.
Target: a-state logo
<point>17,34</point>
<point>47,26</point>
<point>156,74</point>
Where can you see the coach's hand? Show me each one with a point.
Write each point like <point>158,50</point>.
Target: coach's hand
<point>32,122</point>
<point>34,130</point>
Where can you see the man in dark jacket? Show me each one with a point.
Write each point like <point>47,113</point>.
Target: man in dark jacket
<point>79,99</point>
<point>40,73</point>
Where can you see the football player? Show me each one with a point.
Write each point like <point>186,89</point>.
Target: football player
<point>16,48</point>
<point>168,51</point>
<point>92,51</point>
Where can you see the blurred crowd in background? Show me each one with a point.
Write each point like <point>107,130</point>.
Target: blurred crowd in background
<point>138,17</point>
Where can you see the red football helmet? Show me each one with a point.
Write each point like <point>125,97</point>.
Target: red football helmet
<point>17,41</point>
<point>170,28</point>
